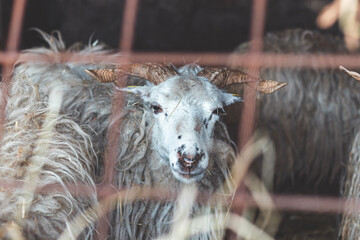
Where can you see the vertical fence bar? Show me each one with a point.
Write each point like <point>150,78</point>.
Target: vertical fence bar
<point>246,124</point>
<point>12,45</point>
<point>110,161</point>
<point>258,25</point>
<point>16,25</point>
<point>128,26</point>
<point>257,30</point>
<point>125,45</point>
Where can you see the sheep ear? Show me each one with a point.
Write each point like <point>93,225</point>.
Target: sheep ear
<point>231,98</point>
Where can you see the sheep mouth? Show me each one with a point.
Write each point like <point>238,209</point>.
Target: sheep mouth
<point>190,174</point>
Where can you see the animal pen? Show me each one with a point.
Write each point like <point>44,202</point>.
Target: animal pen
<point>253,212</point>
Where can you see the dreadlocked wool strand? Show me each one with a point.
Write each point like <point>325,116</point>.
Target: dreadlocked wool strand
<point>63,154</point>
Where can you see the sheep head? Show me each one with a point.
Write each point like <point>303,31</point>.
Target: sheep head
<point>185,104</point>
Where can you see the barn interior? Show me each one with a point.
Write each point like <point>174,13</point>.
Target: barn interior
<point>161,25</point>
<point>193,26</point>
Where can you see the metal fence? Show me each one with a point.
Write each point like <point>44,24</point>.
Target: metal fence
<point>252,61</point>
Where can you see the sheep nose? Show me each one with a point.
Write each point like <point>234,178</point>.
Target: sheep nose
<point>190,161</point>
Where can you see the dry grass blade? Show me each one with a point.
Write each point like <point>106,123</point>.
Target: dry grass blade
<point>182,225</point>
<point>175,108</point>
<point>185,226</point>
<point>250,151</point>
<point>11,231</point>
<point>243,228</point>
<point>269,219</point>
<point>262,197</point>
<point>78,223</point>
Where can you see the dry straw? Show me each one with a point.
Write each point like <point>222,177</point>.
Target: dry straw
<point>183,225</point>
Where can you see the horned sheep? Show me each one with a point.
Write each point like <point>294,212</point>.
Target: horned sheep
<point>57,119</point>
<point>313,122</point>
<point>349,227</point>
<point>314,125</point>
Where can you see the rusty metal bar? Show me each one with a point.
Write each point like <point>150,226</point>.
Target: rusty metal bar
<point>209,59</point>
<point>12,45</point>
<point>246,124</point>
<point>125,45</point>
<point>305,203</point>
<point>258,18</point>
<point>113,137</point>
<point>128,26</point>
<point>302,203</point>
<point>16,25</point>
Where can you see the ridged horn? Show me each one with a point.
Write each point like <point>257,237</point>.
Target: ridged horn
<point>223,76</point>
<point>103,75</point>
<point>153,72</point>
<point>350,73</point>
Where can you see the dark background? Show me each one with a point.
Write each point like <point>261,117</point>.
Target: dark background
<point>162,25</point>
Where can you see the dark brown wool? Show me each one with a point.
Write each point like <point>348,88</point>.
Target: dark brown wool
<point>312,121</point>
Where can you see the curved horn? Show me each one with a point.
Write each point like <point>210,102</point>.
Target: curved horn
<point>350,73</point>
<point>222,76</point>
<point>153,72</point>
<point>103,75</point>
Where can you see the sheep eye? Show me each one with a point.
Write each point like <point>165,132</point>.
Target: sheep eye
<point>218,111</point>
<point>157,109</point>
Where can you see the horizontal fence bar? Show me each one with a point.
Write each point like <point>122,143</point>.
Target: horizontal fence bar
<point>211,59</point>
<point>302,203</point>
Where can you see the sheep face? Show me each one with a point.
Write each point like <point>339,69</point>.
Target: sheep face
<point>185,109</point>
<point>185,106</point>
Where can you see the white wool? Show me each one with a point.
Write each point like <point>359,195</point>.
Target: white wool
<point>63,153</point>
<point>71,151</point>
